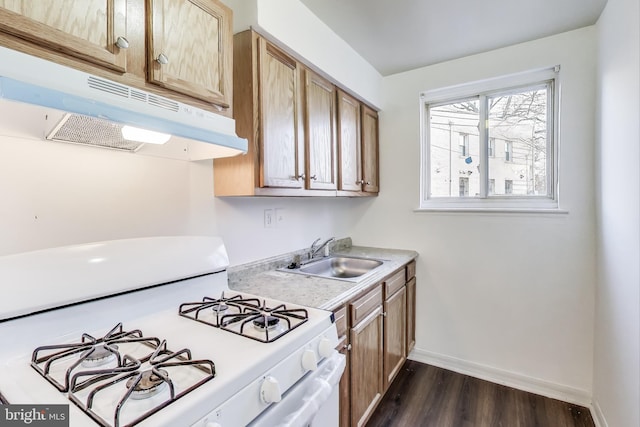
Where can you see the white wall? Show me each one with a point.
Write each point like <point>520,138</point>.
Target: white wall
<point>617,337</point>
<point>292,23</point>
<point>54,194</point>
<point>81,194</point>
<point>505,296</point>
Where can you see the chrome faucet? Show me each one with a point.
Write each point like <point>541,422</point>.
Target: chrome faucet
<point>315,247</point>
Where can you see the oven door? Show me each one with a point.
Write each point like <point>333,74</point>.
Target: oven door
<point>312,401</point>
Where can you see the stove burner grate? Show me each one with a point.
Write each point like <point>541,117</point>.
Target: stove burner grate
<point>268,323</point>
<point>140,384</point>
<point>92,353</point>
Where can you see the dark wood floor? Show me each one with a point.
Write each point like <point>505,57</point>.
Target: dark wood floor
<point>427,396</point>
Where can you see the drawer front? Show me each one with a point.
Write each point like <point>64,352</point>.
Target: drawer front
<point>365,305</point>
<point>411,270</point>
<point>394,283</point>
<point>341,320</point>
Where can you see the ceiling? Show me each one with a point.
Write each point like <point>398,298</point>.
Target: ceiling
<point>401,35</point>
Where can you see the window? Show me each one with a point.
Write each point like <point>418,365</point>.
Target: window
<point>508,150</point>
<point>508,186</point>
<point>463,184</point>
<point>464,144</point>
<point>517,114</point>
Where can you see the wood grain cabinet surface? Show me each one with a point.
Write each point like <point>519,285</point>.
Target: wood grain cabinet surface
<point>121,40</point>
<point>357,147</point>
<point>291,114</point>
<point>349,143</point>
<point>320,132</point>
<point>411,306</point>
<point>366,367</point>
<point>379,322</point>
<point>370,168</point>
<point>395,325</point>
<point>87,30</point>
<point>267,99</point>
<point>189,48</point>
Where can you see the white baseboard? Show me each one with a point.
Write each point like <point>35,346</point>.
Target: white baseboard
<point>598,416</point>
<point>510,379</point>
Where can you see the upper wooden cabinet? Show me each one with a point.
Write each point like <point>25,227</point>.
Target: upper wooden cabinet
<point>304,131</point>
<point>123,40</point>
<point>357,146</point>
<point>370,181</point>
<point>188,51</point>
<point>268,112</point>
<point>281,143</point>
<point>320,132</point>
<point>349,143</point>
<point>88,30</point>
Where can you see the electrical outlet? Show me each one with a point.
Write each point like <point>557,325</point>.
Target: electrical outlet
<point>268,218</point>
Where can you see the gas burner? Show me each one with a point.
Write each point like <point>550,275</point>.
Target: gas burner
<point>58,363</point>
<point>266,322</point>
<point>148,383</point>
<point>212,310</point>
<point>99,355</point>
<point>219,307</point>
<point>124,395</point>
<point>246,315</point>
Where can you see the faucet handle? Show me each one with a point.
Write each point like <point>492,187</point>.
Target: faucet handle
<point>315,242</point>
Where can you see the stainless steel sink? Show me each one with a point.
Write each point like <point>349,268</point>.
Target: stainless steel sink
<point>338,267</point>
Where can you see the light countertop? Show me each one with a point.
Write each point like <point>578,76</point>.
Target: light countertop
<point>262,278</point>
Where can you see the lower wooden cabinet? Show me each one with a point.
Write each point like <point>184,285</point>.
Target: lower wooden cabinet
<point>374,331</point>
<point>395,312</point>
<point>366,367</point>
<point>411,314</point>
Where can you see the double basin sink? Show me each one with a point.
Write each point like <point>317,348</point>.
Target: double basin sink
<point>338,267</point>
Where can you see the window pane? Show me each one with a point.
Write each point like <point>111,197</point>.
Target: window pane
<point>518,124</point>
<point>454,149</point>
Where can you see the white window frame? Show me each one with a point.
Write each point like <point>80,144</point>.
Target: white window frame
<point>486,202</point>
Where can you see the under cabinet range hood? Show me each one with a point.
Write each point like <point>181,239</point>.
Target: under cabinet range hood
<point>67,105</point>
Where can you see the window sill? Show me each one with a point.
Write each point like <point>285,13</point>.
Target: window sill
<point>482,210</point>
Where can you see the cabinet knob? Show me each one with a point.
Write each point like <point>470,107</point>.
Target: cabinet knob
<point>347,347</point>
<point>313,177</point>
<point>162,59</point>
<point>122,42</point>
<point>383,314</point>
<point>299,177</point>
<point>368,182</point>
<point>359,182</point>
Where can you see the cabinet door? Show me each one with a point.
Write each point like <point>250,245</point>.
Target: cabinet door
<point>281,143</point>
<point>394,334</point>
<point>366,367</point>
<point>345,413</point>
<point>349,147</point>
<point>411,314</point>
<point>370,150</point>
<point>320,111</point>
<point>190,48</point>
<point>87,29</point>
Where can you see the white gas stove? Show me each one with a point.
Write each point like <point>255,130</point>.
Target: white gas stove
<point>157,349</point>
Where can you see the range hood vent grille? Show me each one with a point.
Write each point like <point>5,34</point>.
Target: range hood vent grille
<point>130,93</point>
<point>79,129</point>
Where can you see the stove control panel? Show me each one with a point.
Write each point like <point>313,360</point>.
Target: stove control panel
<point>271,387</point>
